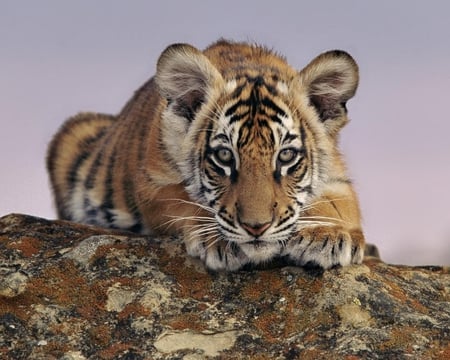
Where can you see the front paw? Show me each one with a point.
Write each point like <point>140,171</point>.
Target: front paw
<point>223,255</point>
<point>326,246</point>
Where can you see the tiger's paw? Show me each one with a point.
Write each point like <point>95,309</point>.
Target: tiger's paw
<point>223,256</point>
<point>326,246</point>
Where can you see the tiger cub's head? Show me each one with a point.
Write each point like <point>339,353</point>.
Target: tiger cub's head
<point>253,139</point>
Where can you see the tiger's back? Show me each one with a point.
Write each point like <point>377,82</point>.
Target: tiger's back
<point>93,160</point>
<point>232,148</point>
<point>77,139</point>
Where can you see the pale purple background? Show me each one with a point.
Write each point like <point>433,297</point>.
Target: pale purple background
<point>61,57</point>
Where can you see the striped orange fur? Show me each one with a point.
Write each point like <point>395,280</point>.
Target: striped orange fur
<point>231,148</point>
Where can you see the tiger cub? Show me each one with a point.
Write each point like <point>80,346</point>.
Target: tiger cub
<point>231,148</point>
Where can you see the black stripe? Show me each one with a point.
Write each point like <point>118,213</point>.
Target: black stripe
<point>212,203</point>
<point>283,220</point>
<point>127,183</point>
<point>209,175</point>
<point>290,226</point>
<point>214,167</point>
<point>229,222</point>
<point>136,228</point>
<point>238,117</point>
<point>308,189</point>
<point>89,182</point>
<point>293,168</point>
<point>270,104</point>
<point>107,203</point>
<point>128,188</point>
<point>277,175</point>
<point>84,155</point>
<point>72,174</point>
<point>299,203</point>
<point>142,137</point>
<point>288,138</point>
<point>302,134</point>
<point>219,253</point>
<point>276,119</point>
<point>296,167</point>
<point>234,176</point>
<point>238,91</point>
<point>232,109</point>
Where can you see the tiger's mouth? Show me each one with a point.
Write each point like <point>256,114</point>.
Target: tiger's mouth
<point>256,242</point>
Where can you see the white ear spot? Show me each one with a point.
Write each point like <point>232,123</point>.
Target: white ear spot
<point>230,86</point>
<point>282,87</point>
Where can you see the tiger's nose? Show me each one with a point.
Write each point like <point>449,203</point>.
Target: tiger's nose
<point>256,229</point>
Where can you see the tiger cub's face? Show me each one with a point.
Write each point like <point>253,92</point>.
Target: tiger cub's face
<point>254,149</point>
<point>256,168</point>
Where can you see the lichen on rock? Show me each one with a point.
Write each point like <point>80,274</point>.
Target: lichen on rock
<point>69,291</point>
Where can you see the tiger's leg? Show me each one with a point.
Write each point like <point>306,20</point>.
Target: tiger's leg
<point>331,234</point>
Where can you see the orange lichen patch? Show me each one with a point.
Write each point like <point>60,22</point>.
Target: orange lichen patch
<point>19,306</point>
<point>311,337</point>
<point>352,357</point>
<point>202,306</point>
<point>443,354</point>
<point>314,354</point>
<point>113,351</point>
<point>260,357</point>
<point>69,326</point>
<point>187,321</point>
<point>284,310</point>
<point>269,324</point>
<point>134,310</point>
<point>60,282</point>
<point>4,239</point>
<point>29,246</point>
<point>400,294</point>
<point>401,338</point>
<point>100,335</point>
<point>63,283</point>
<point>54,348</point>
<point>313,286</point>
<point>127,281</point>
<point>258,289</point>
<point>192,283</point>
<point>141,251</point>
<point>92,299</point>
<point>103,250</point>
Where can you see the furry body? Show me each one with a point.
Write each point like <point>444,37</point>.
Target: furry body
<point>231,148</point>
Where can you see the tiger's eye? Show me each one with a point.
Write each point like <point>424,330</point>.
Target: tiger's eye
<point>287,155</point>
<point>225,156</point>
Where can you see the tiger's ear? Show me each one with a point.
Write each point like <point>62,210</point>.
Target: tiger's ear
<point>331,80</point>
<point>184,76</point>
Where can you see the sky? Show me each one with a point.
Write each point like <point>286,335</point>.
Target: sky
<point>61,57</point>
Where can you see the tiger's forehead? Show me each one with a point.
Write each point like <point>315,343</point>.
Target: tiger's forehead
<point>271,79</point>
<point>256,113</point>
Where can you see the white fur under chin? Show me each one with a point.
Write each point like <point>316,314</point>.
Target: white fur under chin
<point>261,252</point>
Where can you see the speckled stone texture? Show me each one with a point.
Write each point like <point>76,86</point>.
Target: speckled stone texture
<point>69,291</point>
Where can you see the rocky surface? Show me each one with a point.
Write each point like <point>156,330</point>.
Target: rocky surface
<point>69,291</point>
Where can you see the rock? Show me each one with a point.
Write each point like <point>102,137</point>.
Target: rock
<point>69,291</point>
